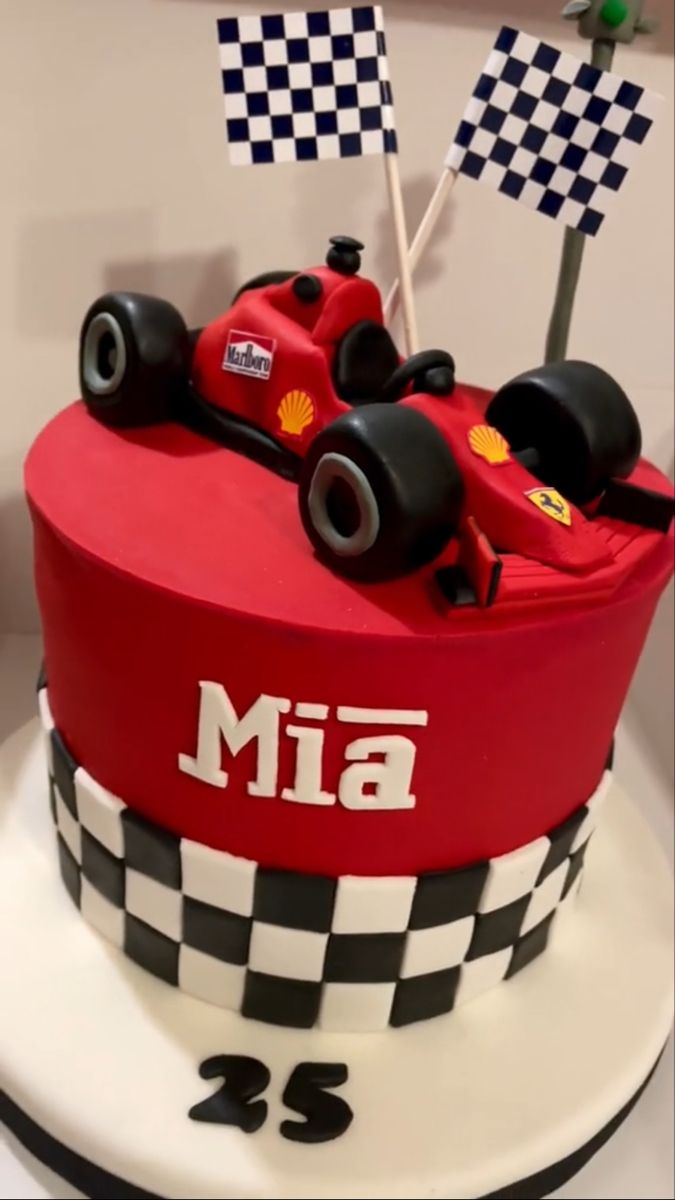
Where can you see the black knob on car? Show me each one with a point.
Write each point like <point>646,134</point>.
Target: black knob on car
<point>344,256</point>
<point>439,381</point>
<point>307,288</point>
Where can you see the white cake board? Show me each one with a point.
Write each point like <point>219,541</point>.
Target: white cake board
<point>103,1059</point>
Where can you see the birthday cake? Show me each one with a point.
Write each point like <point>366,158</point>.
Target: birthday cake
<point>310,798</point>
<point>335,648</point>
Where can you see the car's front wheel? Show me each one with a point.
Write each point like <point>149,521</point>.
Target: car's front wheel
<point>134,358</point>
<point>380,493</point>
<point>574,427</point>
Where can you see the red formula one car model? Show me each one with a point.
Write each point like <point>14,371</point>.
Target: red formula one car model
<point>397,464</point>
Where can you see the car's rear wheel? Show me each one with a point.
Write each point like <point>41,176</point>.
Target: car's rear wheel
<point>380,493</point>
<point>574,426</point>
<point>134,358</point>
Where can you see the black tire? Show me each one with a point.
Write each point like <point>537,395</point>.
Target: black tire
<point>380,493</point>
<point>581,424</point>
<point>264,280</point>
<point>134,359</point>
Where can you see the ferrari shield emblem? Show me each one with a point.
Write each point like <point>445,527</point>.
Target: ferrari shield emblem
<point>552,504</point>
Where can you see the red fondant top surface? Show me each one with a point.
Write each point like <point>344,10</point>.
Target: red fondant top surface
<point>182,513</point>
<point>163,560</point>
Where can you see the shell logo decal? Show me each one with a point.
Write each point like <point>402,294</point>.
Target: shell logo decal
<point>295,412</point>
<point>489,444</point>
<point>552,504</point>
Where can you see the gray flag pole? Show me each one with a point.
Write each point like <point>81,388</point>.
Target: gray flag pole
<point>572,252</point>
<point>606,24</point>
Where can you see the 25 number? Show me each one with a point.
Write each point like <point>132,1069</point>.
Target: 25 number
<point>234,1103</point>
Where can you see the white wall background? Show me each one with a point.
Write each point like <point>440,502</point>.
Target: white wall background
<point>114,173</point>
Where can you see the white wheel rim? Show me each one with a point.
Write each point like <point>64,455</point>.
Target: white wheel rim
<point>102,325</point>
<point>330,469</point>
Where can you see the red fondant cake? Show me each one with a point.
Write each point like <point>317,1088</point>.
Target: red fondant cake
<point>335,648</point>
<point>188,563</point>
<point>348,750</point>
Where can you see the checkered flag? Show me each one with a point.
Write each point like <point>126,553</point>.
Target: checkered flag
<point>303,86</point>
<point>552,131</point>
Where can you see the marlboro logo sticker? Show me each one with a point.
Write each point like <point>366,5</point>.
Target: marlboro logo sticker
<point>249,354</point>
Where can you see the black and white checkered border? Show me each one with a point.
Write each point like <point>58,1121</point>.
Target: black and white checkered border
<point>303,86</point>
<point>347,954</point>
<point>557,134</point>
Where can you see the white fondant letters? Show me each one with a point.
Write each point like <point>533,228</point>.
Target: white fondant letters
<point>379,776</point>
<point>382,716</point>
<point>392,777</point>
<point>218,719</point>
<point>308,767</point>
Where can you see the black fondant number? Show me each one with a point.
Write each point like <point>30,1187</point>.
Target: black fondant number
<point>327,1116</point>
<point>243,1078</point>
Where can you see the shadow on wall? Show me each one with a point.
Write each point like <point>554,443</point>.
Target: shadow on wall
<point>18,706</point>
<point>541,16</point>
<point>60,261</point>
<point>651,705</point>
<point>348,179</point>
<point>63,264</point>
<point>200,285</point>
<point>416,193</point>
<point>16,555</point>
<point>379,260</point>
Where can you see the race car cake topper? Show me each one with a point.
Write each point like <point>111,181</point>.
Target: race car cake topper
<point>398,466</point>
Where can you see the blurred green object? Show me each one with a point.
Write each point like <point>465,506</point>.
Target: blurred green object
<point>613,13</point>
<point>609,20</point>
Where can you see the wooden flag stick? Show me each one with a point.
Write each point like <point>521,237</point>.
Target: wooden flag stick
<point>405,273</point>
<point>424,233</point>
